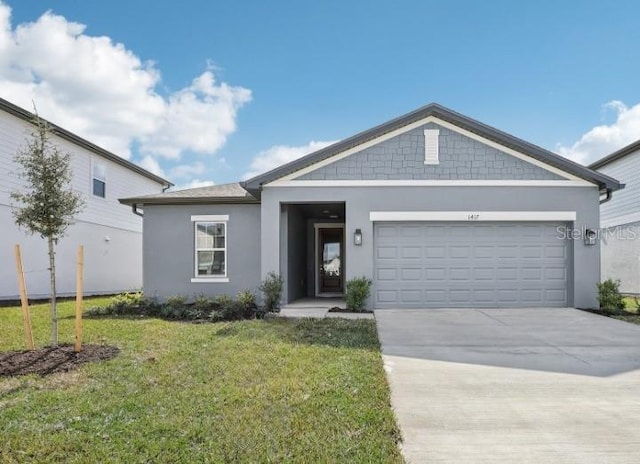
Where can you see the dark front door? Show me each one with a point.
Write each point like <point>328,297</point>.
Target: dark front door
<point>330,259</point>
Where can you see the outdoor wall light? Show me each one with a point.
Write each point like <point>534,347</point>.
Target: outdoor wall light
<point>357,237</point>
<point>590,237</point>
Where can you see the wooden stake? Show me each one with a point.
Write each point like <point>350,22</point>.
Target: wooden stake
<point>26,317</point>
<point>79,283</point>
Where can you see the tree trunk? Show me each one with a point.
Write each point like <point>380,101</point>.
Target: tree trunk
<point>54,310</point>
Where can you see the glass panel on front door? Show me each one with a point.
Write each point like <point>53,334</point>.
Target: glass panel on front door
<point>331,260</point>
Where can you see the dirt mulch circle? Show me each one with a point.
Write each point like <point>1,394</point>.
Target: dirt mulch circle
<point>45,361</point>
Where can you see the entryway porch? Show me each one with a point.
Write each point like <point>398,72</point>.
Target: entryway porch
<point>319,308</point>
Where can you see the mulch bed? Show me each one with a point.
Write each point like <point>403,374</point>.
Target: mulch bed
<point>45,361</point>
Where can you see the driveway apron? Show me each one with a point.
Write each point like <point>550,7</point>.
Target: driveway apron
<point>513,385</point>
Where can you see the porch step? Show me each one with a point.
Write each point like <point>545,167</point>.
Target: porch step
<point>319,308</point>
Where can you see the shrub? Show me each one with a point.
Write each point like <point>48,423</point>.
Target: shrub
<point>609,295</point>
<point>357,292</point>
<point>127,303</point>
<point>271,288</point>
<point>220,308</point>
<point>201,308</point>
<point>246,300</point>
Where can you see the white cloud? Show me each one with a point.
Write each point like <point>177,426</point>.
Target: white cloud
<point>152,165</point>
<point>187,170</point>
<point>279,155</point>
<point>605,139</point>
<point>104,92</point>
<point>195,183</point>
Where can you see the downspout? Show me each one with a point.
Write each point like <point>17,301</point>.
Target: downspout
<point>608,196</point>
<point>166,187</point>
<point>134,209</point>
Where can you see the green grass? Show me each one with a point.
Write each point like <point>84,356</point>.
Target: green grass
<point>630,313</point>
<point>252,391</point>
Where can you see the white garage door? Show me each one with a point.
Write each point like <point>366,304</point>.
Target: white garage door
<point>449,265</point>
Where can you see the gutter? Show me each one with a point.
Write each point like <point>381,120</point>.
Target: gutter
<point>609,194</point>
<point>134,210</point>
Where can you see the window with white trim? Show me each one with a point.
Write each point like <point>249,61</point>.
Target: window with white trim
<point>99,179</point>
<point>210,247</point>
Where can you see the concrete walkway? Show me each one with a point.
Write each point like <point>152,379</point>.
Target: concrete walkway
<point>513,386</point>
<point>319,308</point>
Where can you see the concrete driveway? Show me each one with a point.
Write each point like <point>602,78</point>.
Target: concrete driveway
<point>513,386</point>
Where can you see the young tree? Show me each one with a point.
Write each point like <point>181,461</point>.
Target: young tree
<point>47,204</point>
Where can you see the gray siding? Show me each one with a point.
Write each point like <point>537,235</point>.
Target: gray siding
<point>402,157</point>
<point>360,201</point>
<point>621,256</point>
<point>624,207</point>
<point>168,250</point>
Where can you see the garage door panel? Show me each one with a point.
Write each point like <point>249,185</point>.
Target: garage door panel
<point>484,251</point>
<point>383,231</point>
<point>506,273</point>
<point>411,252</point>
<point>555,251</point>
<point>438,297</point>
<point>411,231</point>
<point>435,252</point>
<point>411,296</point>
<point>387,252</point>
<point>557,296</point>
<point>408,274</point>
<point>484,273</point>
<point>460,274</point>
<point>484,296</point>
<point>460,252</point>
<point>531,273</point>
<point>387,274</point>
<point>507,252</point>
<point>555,273</point>
<point>459,295</point>
<point>387,296</point>
<point>436,273</point>
<point>467,265</point>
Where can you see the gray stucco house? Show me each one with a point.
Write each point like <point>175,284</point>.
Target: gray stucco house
<point>438,209</point>
<point>620,219</point>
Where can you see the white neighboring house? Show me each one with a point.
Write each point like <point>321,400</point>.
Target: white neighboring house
<point>620,219</point>
<point>111,235</point>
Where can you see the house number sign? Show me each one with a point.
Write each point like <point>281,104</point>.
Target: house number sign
<point>473,217</point>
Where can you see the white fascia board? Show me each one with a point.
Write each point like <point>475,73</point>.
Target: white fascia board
<point>210,218</point>
<point>430,183</point>
<point>440,122</point>
<point>471,216</point>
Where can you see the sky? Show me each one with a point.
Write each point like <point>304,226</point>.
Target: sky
<point>204,92</point>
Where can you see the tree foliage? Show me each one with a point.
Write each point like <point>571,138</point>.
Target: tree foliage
<point>46,204</point>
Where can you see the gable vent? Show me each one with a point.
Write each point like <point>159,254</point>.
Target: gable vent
<point>431,150</point>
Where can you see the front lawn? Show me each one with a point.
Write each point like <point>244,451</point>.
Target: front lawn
<point>252,391</point>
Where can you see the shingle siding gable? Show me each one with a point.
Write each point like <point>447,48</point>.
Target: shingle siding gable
<point>402,157</point>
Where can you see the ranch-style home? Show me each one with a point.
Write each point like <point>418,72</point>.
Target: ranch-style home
<point>110,234</point>
<point>437,209</point>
